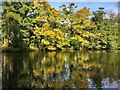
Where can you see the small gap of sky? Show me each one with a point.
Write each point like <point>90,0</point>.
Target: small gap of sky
<point>92,5</point>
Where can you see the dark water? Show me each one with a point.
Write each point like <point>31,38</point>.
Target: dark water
<point>68,69</point>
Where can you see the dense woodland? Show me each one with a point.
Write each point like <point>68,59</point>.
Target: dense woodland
<point>38,26</point>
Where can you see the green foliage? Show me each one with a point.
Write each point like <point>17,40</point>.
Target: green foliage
<point>99,15</point>
<point>108,28</point>
<point>40,26</point>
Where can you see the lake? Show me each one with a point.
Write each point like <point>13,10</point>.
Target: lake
<point>61,69</point>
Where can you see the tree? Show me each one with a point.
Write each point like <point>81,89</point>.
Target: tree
<point>47,26</point>
<point>108,27</point>
<point>79,27</point>
<point>14,14</point>
<point>38,25</point>
<point>99,15</point>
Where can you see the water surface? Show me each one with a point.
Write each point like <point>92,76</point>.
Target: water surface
<point>64,69</point>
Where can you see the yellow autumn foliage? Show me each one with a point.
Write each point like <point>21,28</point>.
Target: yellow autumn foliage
<point>89,34</point>
<point>50,33</point>
<point>85,42</point>
<point>38,4</point>
<point>46,25</point>
<point>80,39</point>
<point>51,47</point>
<point>41,18</point>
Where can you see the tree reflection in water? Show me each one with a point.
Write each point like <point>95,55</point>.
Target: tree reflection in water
<point>58,69</point>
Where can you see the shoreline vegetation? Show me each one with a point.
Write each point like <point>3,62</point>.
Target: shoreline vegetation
<point>32,49</point>
<point>36,26</point>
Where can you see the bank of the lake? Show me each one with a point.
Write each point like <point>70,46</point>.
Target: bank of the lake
<point>12,49</point>
<point>32,49</point>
